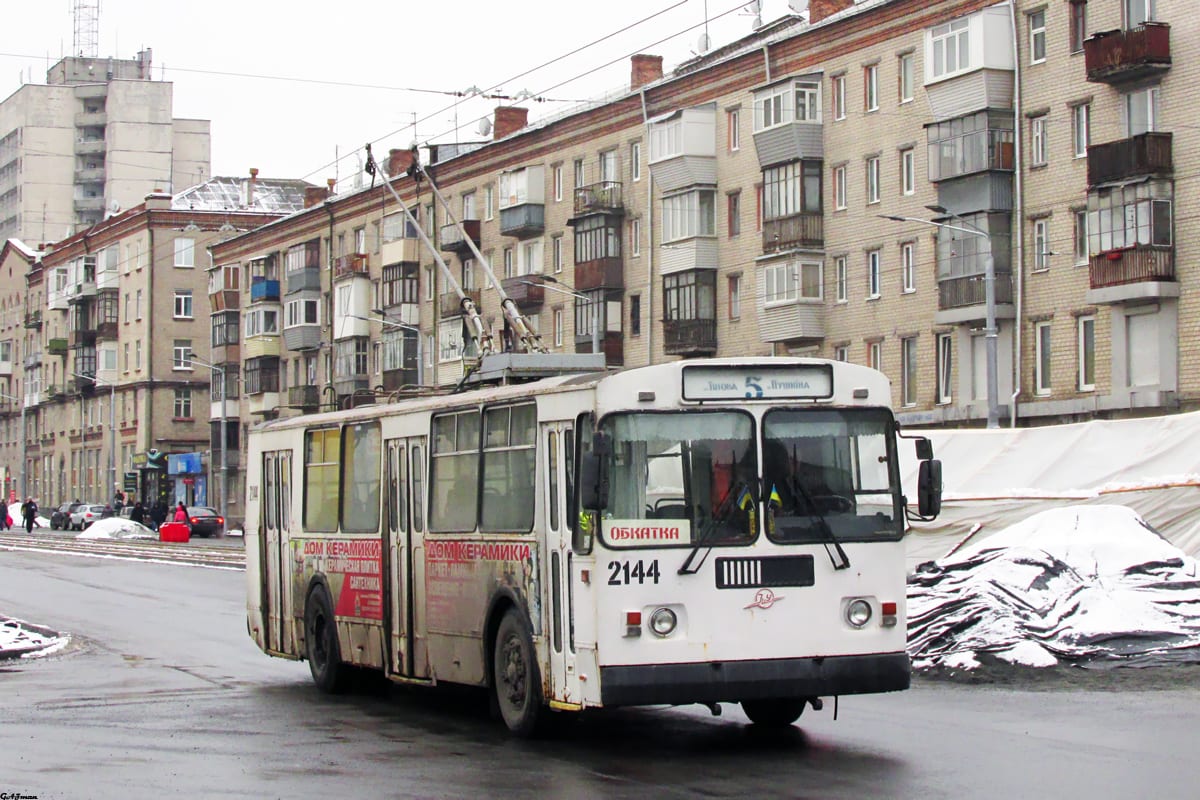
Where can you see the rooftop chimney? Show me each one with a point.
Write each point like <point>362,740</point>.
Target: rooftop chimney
<point>158,200</point>
<point>644,69</point>
<point>314,195</point>
<point>398,162</point>
<point>330,182</point>
<point>250,186</point>
<point>509,120</point>
<point>820,9</point>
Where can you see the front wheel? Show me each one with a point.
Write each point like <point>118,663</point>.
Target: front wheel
<point>774,713</point>
<point>321,644</point>
<point>517,681</point>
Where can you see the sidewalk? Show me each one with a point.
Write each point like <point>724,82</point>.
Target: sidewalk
<point>21,639</point>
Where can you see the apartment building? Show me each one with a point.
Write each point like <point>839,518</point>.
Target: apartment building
<point>109,358</point>
<point>842,186</point>
<point>94,139</point>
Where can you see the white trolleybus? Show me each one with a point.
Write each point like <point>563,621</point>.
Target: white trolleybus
<point>725,530</point>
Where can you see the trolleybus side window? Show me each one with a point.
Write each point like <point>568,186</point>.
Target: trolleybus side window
<point>509,466</point>
<point>418,488</point>
<point>454,472</point>
<point>360,477</point>
<point>583,529</point>
<point>552,477</point>
<point>321,452</point>
<point>397,505</point>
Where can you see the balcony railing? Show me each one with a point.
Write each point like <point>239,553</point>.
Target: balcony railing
<point>971,290</point>
<point>1144,154</point>
<point>600,273</point>
<point>525,291</point>
<point>1120,56</point>
<point>33,319</point>
<point>106,330</point>
<point>599,198</point>
<point>56,346</point>
<point>449,304</point>
<point>527,219</point>
<point>307,398</point>
<point>262,289</point>
<point>452,239</point>
<point>346,266</point>
<point>1137,264</point>
<point>789,233</point>
<point>689,336</point>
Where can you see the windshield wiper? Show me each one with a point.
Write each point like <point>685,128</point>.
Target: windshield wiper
<point>738,496</point>
<point>842,561</point>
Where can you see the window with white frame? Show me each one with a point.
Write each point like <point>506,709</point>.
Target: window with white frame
<point>945,354</point>
<point>510,269</point>
<point>1081,129</point>
<point>1139,12</point>
<point>183,404</point>
<point>733,138</point>
<point>1086,351</point>
<point>908,371</point>
<point>137,306</point>
<point>908,267</point>
<point>558,183</point>
<point>556,254</point>
<point>1081,236</point>
<point>873,179</point>
<point>839,186</point>
<point>906,76</point>
<point>950,48</point>
<point>1041,358</point>
<point>841,278</point>
<point>137,354</point>
<point>185,252</point>
<point>1038,152</point>
<point>873,259</point>
<point>1141,111</point>
<point>489,201</point>
<point>635,160</point>
<point>689,214</point>
<point>735,296</point>
<point>558,327</point>
<point>871,87</point>
<point>1129,215</point>
<point>841,353</point>
<point>608,166</point>
<point>429,283</point>
<point>468,206</point>
<point>261,322</point>
<point>450,340</point>
<point>635,236</point>
<point>580,174</point>
<point>530,258</point>
<point>838,85</point>
<point>183,304</point>
<point>875,355</point>
<point>1037,36</point>
<point>908,171</point>
<point>792,101</point>
<point>302,312</point>
<point>1041,244</point>
<point>182,354</point>
<point>780,283</point>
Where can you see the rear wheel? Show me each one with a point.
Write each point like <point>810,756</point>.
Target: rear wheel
<point>776,712</point>
<point>517,681</point>
<point>321,644</point>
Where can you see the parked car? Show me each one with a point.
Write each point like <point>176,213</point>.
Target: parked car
<point>205,521</point>
<point>87,513</point>
<point>60,518</point>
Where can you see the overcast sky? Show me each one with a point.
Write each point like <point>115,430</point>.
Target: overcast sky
<point>293,126</point>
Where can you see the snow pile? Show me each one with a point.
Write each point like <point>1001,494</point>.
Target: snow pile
<point>116,528</point>
<point>1080,585</point>
<point>40,521</point>
<point>19,639</point>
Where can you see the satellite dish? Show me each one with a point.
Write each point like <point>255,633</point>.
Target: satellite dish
<point>114,207</point>
<point>703,43</point>
<point>798,6</point>
<point>485,126</point>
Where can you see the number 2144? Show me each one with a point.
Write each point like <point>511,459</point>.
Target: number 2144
<point>625,572</point>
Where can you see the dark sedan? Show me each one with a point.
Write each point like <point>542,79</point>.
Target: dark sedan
<point>205,521</point>
<point>60,518</point>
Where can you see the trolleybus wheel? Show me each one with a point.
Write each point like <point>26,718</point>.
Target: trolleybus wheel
<point>776,712</point>
<point>321,644</point>
<point>517,682</point>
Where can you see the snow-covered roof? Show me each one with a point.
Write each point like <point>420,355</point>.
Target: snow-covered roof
<point>270,195</point>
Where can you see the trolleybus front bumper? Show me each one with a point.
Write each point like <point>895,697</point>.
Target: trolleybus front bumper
<point>732,681</point>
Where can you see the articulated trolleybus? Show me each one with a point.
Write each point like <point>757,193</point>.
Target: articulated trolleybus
<point>708,531</point>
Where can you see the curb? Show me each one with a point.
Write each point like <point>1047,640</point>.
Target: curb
<point>52,638</point>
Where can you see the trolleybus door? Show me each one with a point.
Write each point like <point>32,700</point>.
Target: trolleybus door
<point>276,508</point>
<point>404,529</point>
<point>564,680</point>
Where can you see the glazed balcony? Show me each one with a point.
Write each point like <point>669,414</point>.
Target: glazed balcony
<point>349,266</point>
<point>599,198</point>
<point>1145,154</point>
<point>600,273</point>
<point>106,330</point>
<point>525,291</point>
<point>304,398</point>
<point>262,289</point>
<point>33,319</point>
<point>971,290</point>
<point>395,379</point>
<point>797,231</point>
<point>452,238</point>
<point>449,304</point>
<point>1141,263</point>
<point>1115,57</point>
<point>689,337</point>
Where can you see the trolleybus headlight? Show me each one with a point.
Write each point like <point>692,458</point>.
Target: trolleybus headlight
<point>858,612</point>
<point>663,621</point>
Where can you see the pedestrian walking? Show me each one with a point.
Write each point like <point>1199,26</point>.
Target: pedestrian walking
<point>138,514</point>
<point>29,512</point>
<point>181,514</point>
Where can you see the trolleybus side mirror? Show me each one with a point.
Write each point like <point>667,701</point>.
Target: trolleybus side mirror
<point>929,488</point>
<point>924,448</point>
<point>593,477</point>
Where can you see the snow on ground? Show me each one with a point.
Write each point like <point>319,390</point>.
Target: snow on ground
<point>1077,585</point>
<point>42,520</point>
<point>20,639</point>
<point>116,528</point>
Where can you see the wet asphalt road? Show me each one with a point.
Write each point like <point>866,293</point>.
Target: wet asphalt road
<point>163,693</point>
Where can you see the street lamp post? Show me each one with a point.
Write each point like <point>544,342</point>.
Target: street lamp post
<point>112,428</point>
<point>223,482</point>
<point>24,445</point>
<point>580,296</point>
<point>989,293</point>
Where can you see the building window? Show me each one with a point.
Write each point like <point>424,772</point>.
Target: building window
<point>839,187</point>
<point>841,353</point>
<point>735,296</point>
<point>1080,129</point>
<point>873,179</point>
<point>1037,36</point>
<point>509,267</point>
<point>908,371</point>
<point>183,404</point>
<point>1041,244</point>
<point>137,306</point>
<point>597,237</point>
<point>1038,153</point>
<point>783,283</point>
<point>137,355</point>
<point>185,252</point>
<point>1141,111</point>
<point>871,88</point>
<point>635,237</point>
<point>182,354</point>
<point>1138,12</point>
<point>792,189</point>
<point>873,274</point>
<point>908,267</point>
<point>125,358</point>
<point>689,214</point>
<point>970,143</point>
<point>128,307</point>
<point>908,171</point>
<point>875,355</point>
<point>1125,216</point>
<point>907,80</point>
<point>635,315</point>
<point>1087,353</point>
<point>558,327</point>
<point>635,161</point>
<point>945,351</point>
<point>690,296</point>
<point>841,277</point>
<point>1078,33</point>
<point>839,97</point>
<point>733,204</point>
<point>580,175</point>
<point>792,101</point>
<point>556,253</point>
<point>1081,237</point>
<point>949,48</point>
<point>489,201</point>
<point>183,304</point>
<point>758,207</point>
<point>1041,361</point>
<point>608,166</point>
<point>558,183</point>
<point>732,118</point>
<point>468,208</point>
